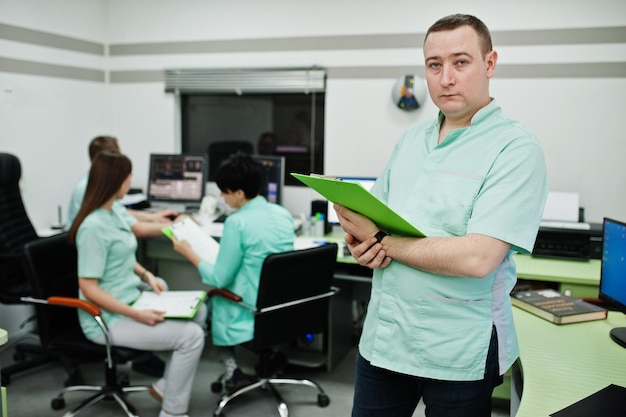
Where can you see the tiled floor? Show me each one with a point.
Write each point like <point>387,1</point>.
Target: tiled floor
<point>30,393</point>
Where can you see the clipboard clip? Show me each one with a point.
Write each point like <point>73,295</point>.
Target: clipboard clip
<point>329,177</point>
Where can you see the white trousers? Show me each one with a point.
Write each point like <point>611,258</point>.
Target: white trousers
<point>184,339</point>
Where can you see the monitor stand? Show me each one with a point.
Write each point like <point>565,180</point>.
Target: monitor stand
<point>618,334</point>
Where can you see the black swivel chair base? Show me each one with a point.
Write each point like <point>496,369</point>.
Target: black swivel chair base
<point>115,389</point>
<point>269,383</point>
<point>22,363</point>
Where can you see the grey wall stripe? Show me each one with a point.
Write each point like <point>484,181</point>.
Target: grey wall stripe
<point>343,42</point>
<point>50,70</point>
<point>585,70</point>
<point>148,76</point>
<point>349,42</point>
<point>582,70</point>
<point>382,41</point>
<point>20,34</point>
<point>560,36</point>
<point>321,43</point>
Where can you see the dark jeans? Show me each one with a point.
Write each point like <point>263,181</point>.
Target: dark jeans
<point>382,393</point>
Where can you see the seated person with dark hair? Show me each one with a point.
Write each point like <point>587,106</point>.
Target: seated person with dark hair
<point>257,229</point>
<point>266,144</point>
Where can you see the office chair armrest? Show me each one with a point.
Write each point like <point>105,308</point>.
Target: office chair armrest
<point>231,296</point>
<point>89,307</point>
<point>220,292</point>
<point>331,292</point>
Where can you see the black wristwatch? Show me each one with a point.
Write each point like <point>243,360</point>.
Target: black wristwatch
<point>381,235</point>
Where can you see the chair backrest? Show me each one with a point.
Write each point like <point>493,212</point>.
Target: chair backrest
<point>220,151</point>
<point>291,276</point>
<point>15,230</point>
<point>51,266</point>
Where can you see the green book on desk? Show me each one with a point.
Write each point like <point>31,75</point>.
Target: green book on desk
<point>353,196</point>
<point>553,306</point>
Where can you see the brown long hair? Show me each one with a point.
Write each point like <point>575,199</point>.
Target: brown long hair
<point>106,176</point>
<point>102,143</point>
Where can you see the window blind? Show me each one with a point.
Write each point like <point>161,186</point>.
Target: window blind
<point>245,81</point>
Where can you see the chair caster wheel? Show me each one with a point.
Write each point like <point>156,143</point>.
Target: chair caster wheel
<point>57,403</point>
<point>216,387</point>
<point>323,400</point>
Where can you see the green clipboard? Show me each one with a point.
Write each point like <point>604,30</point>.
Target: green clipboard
<point>178,304</point>
<point>353,196</point>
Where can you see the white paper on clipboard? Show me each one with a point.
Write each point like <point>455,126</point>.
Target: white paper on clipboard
<point>200,241</point>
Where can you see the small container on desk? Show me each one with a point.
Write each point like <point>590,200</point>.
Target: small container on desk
<point>4,337</point>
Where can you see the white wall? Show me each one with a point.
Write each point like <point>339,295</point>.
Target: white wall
<point>48,121</point>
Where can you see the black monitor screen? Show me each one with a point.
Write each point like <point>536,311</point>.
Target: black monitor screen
<point>273,177</point>
<point>613,275</point>
<point>366,182</point>
<point>178,178</point>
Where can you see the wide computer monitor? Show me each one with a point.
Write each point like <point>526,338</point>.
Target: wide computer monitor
<point>613,271</point>
<point>273,177</point>
<point>366,182</point>
<point>177,181</point>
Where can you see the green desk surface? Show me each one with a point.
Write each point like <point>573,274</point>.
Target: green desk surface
<point>558,270</point>
<point>562,364</point>
<point>529,267</point>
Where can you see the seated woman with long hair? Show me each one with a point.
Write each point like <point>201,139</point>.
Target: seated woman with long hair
<point>110,277</point>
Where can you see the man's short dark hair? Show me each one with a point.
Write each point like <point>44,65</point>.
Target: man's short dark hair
<point>455,21</point>
<point>240,172</point>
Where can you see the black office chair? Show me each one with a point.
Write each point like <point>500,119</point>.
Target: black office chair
<point>51,266</point>
<point>221,150</point>
<point>293,301</point>
<point>15,231</point>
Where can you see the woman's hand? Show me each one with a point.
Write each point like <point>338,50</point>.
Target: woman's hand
<point>149,317</point>
<point>156,285</point>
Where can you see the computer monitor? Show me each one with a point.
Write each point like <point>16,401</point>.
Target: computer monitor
<point>366,182</point>
<point>177,181</point>
<point>613,271</point>
<point>273,177</point>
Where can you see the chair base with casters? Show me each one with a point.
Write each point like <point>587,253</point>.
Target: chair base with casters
<point>115,386</point>
<point>293,300</point>
<point>269,384</point>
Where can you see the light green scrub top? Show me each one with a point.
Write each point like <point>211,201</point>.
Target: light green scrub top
<point>106,251</point>
<point>255,231</point>
<point>488,178</point>
<point>76,200</point>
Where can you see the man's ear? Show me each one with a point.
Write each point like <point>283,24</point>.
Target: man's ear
<point>491,59</point>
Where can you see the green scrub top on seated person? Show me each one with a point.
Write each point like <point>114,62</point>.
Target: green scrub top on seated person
<point>255,231</point>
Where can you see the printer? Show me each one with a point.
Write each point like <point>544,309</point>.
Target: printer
<point>563,232</point>
<point>577,241</point>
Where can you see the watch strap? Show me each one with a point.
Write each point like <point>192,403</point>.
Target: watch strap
<point>381,235</point>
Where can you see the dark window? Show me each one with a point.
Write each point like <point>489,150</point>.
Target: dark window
<point>296,122</point>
